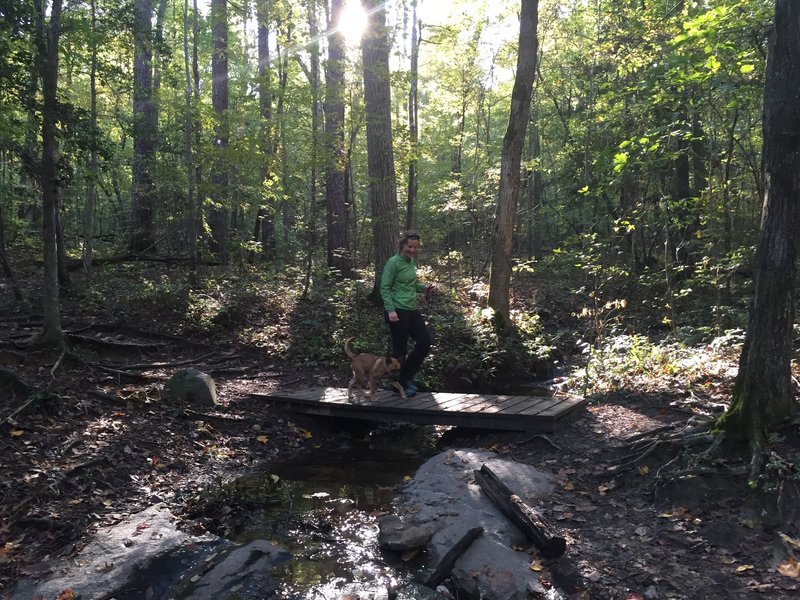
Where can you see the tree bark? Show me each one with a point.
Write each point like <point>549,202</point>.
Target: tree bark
<point>380,153</point>
<point>264,232</point>
<point>218,218</point>
<point>188,148</point>
<point>335,193</point>
<point>47,50</point>
<point>91,188</point>
<point>763,396</point>
<point>413,130</point>
<point>311,214</point>
<point>144,129</point>
<point>546,538</point>
<point>502,237</point>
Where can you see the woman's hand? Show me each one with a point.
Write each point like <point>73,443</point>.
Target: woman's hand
<point>393,318</point>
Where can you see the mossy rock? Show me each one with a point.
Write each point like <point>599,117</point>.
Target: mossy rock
<point>190,386</point>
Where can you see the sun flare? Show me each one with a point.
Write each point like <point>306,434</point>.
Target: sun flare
<point>352,21</point>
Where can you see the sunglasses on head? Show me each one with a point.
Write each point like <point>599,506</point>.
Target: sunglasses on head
<point>412,236</point>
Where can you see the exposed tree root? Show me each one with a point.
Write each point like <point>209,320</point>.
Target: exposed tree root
<point>694,432</point>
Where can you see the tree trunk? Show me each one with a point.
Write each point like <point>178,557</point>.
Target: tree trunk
<point>188,149</point>
<point>47,47</point>
<point>413,130</point>
<point>144,129</point>
<point>380,154</point>
<point>335,193</point>
<point>91,188</point>
<point>264,231</point>
<point>763,396</point>
<point>8,270</point>
<point>546,538</point>
<point>502,237</point>
<point>218,218</point>
<point>311,214</point>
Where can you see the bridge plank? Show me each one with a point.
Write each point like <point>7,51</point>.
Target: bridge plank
<point>488,411</point>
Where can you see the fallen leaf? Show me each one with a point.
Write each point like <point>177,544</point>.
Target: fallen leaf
<point>304,433</point>
<point>67,594</point>
<point>16,432</point>
<point>791,568</point>
<point>536,566</point>
<point>263,439</point>
<point>568,486</point>
<point>105,568</point>
<point>743,568</point>
<point>789,540</point>
<point>644,470</point>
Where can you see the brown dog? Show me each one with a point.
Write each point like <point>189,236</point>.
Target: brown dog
<point>372,367</point>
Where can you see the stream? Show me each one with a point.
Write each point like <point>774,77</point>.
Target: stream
<point>304,529</point>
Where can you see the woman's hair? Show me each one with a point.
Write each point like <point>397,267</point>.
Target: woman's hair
<point>411,234</point>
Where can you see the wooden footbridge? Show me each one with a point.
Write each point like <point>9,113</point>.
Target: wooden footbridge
<point>484,411</point>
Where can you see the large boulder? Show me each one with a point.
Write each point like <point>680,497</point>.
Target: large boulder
<point>190,386</point>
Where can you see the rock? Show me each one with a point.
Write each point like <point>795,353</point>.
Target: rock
<point>398,536</point>
<point>191,386</point>
<point>248,565</point>
<point>444,496</point>
<point>112,556</point>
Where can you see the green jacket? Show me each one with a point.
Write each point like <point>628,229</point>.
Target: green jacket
<point>399,285</point>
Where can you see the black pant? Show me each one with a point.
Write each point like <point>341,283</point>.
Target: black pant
<point>410,324</point>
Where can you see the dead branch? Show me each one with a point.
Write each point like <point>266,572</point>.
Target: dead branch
<point>25,405</point>
<point>530,522</point>
<point>114,343</point>
<point>538,436</point>
<point>445,566</point>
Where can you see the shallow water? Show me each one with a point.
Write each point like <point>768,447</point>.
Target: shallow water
<point>322,506</point>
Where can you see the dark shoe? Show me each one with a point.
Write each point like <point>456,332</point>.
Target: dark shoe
<point>412,386</point>
<point>408,389</point>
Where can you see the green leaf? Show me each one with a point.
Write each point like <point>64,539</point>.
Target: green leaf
<point>745,69</point>
<point>620,160</point>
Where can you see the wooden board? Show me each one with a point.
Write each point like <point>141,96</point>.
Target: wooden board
<point>484,411</point>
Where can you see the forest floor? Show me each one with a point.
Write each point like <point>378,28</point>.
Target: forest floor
<point>641,519</point>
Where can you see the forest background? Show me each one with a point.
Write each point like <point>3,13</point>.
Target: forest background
<point>260,153</point>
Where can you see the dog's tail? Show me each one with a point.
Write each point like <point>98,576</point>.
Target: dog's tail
<point>350,353</point>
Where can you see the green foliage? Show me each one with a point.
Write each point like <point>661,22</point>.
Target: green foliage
<point>778,469</point>
<point>470,352</point>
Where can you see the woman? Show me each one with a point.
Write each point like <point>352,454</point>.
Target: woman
<point>399,287</point>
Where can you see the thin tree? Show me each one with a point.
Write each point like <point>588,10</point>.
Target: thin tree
<point>264,230</point>
<point>500,277</point>
<point>188,149</point>
<point>313,78</point>
<point>380,154</point>
<point>413,131</point>
<point>91,188</point>
<point>335,192</point>
<point>219,98</point>
<point>47,38</point>
<point>763,395</point>
<point>144,129</point>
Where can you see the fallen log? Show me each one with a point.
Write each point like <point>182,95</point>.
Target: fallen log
<point>544,536</point>
<point>445,566</point>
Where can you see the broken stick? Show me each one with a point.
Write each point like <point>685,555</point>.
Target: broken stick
<point>544,536</point>
<point>445,566</point>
